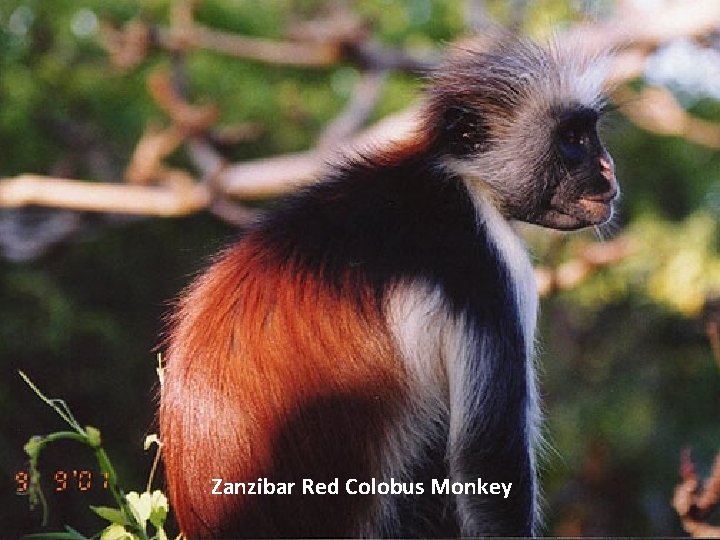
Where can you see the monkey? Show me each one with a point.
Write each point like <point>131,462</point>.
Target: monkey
<point>379,323</point>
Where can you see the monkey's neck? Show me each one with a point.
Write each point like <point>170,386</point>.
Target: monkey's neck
<point>381,221</point>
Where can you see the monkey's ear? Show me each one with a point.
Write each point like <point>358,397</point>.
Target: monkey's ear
<point>464,131</point>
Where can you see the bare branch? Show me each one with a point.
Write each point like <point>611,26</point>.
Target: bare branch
<point>712,329</point>
<point>270,177</point>
<point>273,176</point>
<point>127,47</point>
<point>208,160</point>
<point>592,257</point>
<point>190,118</point>
<point>633,28</point>
<point>369,55</point>
<point>236,214</point>
<point>694,502</point>
<point>365,97</point>
<point>252,48</point>
<point>146,162</point>
<point>656,109</point>
<point>321,43</point>
<point>31,189</point>
<point>711,317</point>
<point>338,24</point>
<point>317,45</point>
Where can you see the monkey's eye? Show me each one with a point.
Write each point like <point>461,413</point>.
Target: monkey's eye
<point>573,143</point>
<point>571,137</point>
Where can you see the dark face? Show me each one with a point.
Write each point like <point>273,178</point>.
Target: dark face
<point>579,182</point>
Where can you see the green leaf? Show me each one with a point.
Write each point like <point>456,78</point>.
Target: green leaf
<point>70,534</point>
<point>113,515</point>
<point>116,532</point>
<point>159,508</point>
<point>76,534</point>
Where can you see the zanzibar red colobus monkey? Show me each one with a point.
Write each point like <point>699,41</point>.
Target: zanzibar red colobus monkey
<point>379,324</point>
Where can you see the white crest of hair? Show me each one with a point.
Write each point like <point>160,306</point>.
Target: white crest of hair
<point>570,71</point>
<point>567,69</point>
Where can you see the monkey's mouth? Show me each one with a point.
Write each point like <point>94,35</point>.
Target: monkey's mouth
<point>597,209</point>
<point>586,211</point>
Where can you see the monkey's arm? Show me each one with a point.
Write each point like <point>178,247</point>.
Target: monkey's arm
<point>492,389</point>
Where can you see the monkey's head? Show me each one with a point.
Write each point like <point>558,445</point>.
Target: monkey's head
<point>519,123</point>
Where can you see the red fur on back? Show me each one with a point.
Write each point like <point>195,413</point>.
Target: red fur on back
<point>270,374</point>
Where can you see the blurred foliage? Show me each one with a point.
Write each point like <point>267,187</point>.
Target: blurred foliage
<point>628,378</point>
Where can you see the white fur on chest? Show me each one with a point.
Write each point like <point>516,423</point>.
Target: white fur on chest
<point>516,259</point>
<point>439,350</point>
<point>430,338</point>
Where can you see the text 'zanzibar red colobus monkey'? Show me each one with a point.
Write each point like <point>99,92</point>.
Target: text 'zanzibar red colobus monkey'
<point>378,325</point>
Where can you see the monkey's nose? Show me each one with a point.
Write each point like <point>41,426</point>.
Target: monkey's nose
<point>609,189</point>
<point>607,169</point>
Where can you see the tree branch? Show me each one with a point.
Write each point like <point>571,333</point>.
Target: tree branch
<point>33,189</point>
<point>655,109</point>
<point>363,101</point>
<point>317,43</point>
<point>693,501</point>
<point>592,257</point>
<point>630,27</point>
